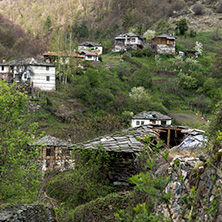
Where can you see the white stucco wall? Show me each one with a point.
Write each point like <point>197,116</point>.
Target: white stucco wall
<point>91,58</point>
<point>39,77</point>
<point>138,122</point>
<point>97,49</point>
<point>6,69</point>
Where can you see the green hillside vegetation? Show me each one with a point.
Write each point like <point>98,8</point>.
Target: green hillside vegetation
<point>136,81</point>
<point>100,100</point>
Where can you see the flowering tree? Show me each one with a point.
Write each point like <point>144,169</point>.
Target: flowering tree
<point>199,48</point>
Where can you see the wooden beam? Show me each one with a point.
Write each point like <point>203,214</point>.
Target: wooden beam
<point>168,138</point>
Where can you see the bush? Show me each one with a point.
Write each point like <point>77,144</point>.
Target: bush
<point>192,33</point>
<point>181,27</point>
<point>88,181</point>
<point>219,7</point>
<point>142,52</point>
<point>198,9</point>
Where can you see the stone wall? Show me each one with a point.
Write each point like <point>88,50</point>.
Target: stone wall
<point>195,187</point>
<point>165,49</point>
<point>27,213</point>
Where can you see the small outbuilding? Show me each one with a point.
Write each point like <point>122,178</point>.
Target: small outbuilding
<point>150,117</point>
<point>164,44</point>
<point>55,154</point>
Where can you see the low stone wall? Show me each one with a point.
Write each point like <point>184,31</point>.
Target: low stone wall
<point>27,213</point>
<point>195,191</point>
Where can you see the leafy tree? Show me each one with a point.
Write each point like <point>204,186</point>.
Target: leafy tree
<point>181,26</point>
<point>95,89</point>
<point>141,77</point>
<point>47,24</point>
<point>186,81</point>
<point>19,176</point>
<point>141,100</point>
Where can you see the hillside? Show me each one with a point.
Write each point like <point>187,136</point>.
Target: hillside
<point>97,19</point>
<point>14,42</point>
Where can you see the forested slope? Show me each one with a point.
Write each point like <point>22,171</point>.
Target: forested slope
<point>14,42</point>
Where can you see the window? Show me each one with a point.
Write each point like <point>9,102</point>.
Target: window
<point>47,68</point>
<point>25,76</point>
<point>142,122</point>
<point>47,78</point>
<point>89,56</point>
<point>163,122</point>
<point>48,152</point>
<point>133,39</point>
<point>3,67</point>
<point>137,123</point>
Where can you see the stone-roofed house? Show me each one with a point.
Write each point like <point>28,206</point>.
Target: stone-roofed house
<point>64,56</point>
<point>164,44</point>
<point>54,153</point>
<point>91,47</point>
<point>128,40</point>
<point>89,56</point>
<point>127,144</point>
<point>150,117</point>
<point>40,74</point>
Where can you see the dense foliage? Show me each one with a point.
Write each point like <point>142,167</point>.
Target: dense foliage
<point>89,179</point>
<point>19,175</point>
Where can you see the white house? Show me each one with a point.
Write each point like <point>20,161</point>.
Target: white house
<point>164,44</point>
<point>150,117</point>
<point>130,40</point>
<point>40,74</point>
<point>91,47</point>
<point>89,56</point>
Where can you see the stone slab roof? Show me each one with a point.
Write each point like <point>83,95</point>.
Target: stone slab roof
<point>87,52</point>
<point>124,141</point>
<point>151,115</point>
<point>129,35</point>
<point>87,43</point>
<point>52,141</point>
<point>165,36</point>
<point>27,61</point>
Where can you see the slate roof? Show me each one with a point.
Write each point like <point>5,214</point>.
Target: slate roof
<point>165,36</point>
<point>52,141</point>
<point>151,115</point>
<point>124,141</point>
<point>129,35</point>
<point>87,52</point>
<point>87,43</point>
<point>65,53</point>
<point>27,61</point>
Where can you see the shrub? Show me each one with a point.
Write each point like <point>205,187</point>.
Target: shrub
<point>88,181</point>
<point>181,27</point>
<point>192,33</point>
<point>198,9</point>
<point>219,7</point>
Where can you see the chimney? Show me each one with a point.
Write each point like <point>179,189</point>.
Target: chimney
<point>3,60</point>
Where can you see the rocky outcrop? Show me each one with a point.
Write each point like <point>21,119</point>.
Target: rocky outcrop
<point>195,188</point>
<point>27,213</point>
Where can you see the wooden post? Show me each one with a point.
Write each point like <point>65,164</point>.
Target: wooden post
<point>168,138</point>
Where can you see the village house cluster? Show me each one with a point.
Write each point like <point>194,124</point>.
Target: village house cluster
<point>41,74</point>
